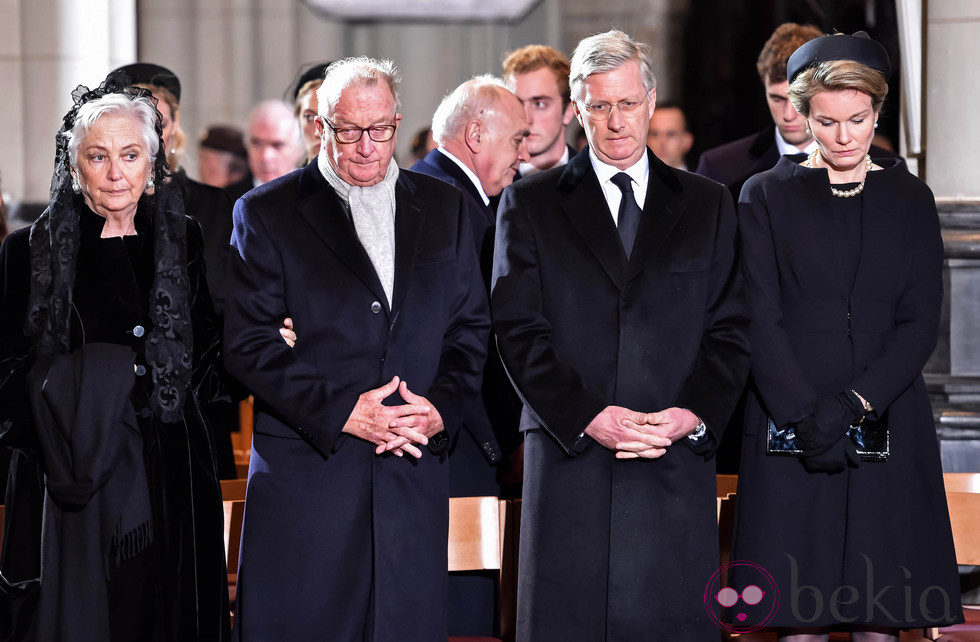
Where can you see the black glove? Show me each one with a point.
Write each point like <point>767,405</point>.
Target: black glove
<point>835,459</point>
<point>829,421</point>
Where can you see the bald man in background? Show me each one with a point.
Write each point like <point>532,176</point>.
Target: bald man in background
<point>481,131</point>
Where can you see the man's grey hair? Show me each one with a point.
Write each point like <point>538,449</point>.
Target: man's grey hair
<point>468,102</point>
<point>605,52</point>
<point>89,113</point>
<point>359,70</point>
<point>280,112</point>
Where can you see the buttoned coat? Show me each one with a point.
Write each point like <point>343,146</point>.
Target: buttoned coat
<point>617,549</point>
<point>814,334</point>
<point>339,543</point>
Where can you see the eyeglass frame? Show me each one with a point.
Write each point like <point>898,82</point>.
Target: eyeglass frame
<point>588,108</point>
<point>336,130</point>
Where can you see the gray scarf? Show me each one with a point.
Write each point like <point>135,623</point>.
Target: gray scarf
<point>373,211</point>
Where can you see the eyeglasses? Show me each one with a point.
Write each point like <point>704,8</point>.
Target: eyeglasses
<point>751,595</point>
<point>347,135</point>
<point>626,107</point>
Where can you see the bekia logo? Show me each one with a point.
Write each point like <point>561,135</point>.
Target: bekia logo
<point>744,608</point>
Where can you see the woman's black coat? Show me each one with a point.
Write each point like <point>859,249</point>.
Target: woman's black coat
<point>180,585</point>
<point>813,335</point>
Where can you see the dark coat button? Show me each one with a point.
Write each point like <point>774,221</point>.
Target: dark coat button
<point>139,331</point>
<point>376,307</point>
<point>140,370</point>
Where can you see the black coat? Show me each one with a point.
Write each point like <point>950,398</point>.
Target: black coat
<point>734,163</point>
<point>179,589</point>
<point>340,543</point>
<point>813,335</point>
<point>615,549</point>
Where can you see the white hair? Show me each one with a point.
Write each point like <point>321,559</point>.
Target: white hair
<point>142,108</point>
<point>604,52</point>
<point>359,70</point>
<point>280,112</point>
<point>473,98</point>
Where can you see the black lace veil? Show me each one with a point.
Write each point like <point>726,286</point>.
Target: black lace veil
<point>54,241</point>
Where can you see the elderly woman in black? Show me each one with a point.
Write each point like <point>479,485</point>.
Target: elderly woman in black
<point>840,496</point>
<point>109,347</point>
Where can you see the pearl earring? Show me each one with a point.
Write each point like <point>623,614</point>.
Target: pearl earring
<point>149,183</point>
<point>876,124</point>
<point>75,185</point>
<point>808,130</point>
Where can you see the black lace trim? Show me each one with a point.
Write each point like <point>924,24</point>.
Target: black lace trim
<point>54,242</point>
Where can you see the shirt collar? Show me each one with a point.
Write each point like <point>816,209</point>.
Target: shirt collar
<point>527,169</point>
<point>469,174</point>
<point>789,149</point>
<point>638,171</point>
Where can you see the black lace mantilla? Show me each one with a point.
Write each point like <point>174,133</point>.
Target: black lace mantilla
<point>54,244</point>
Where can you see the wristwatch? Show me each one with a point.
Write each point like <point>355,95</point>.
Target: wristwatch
<point>699,432</point>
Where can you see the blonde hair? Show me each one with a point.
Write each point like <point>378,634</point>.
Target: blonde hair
<point>837,75</point>
<point>178,140</point>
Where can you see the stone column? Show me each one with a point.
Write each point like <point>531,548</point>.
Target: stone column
<point>50,47</point>
<point>950,165</point>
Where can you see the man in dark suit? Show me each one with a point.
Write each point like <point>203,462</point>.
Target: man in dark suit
<point>481,131</point>
<point>346,521</point>
<point>482,135</point>
<point>538,75</point>
<point>618,310</point>
<point>734,163</point>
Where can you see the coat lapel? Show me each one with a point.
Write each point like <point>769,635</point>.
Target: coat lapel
<point>408,226</point>
<point>321,208</point>
<point>662,209</point>
<point>586,209</point>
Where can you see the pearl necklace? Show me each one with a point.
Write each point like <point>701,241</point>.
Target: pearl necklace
<point>811,162</point>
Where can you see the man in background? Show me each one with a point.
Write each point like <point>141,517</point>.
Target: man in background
<point>734,163</point>
<point>274,144</point>
<point>538,75</point>
<point>668,136</point>
<point>481,131</point>
<point>221,156</point>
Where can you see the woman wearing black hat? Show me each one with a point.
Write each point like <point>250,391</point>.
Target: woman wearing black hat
<point>840,495</point>
<point>108,348</point>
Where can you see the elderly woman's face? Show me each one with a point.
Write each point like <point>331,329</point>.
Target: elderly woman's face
<point>113,165</point>
<point>365,162</point>
<point>843,124</point>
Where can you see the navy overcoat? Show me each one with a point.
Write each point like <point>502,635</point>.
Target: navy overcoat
<point>338,543</point>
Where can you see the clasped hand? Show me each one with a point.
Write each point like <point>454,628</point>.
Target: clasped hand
<point>644,435</point>
<point>398,429</point>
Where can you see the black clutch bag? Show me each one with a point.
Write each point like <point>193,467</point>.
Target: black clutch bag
<point>870,440</point>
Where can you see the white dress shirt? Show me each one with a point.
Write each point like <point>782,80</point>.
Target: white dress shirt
<point>469,174</point>
<point>789,149</point>
<point>527,169</point>
<point>639,172</point>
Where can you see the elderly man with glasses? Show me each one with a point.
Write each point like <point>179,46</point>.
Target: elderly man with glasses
<point>346,521</point>
<point>617,308</point>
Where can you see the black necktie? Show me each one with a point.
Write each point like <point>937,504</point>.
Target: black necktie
<point>629,212</point>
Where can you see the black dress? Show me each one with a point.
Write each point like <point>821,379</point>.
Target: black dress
<point>845,293</point>
<point>177,589</point>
